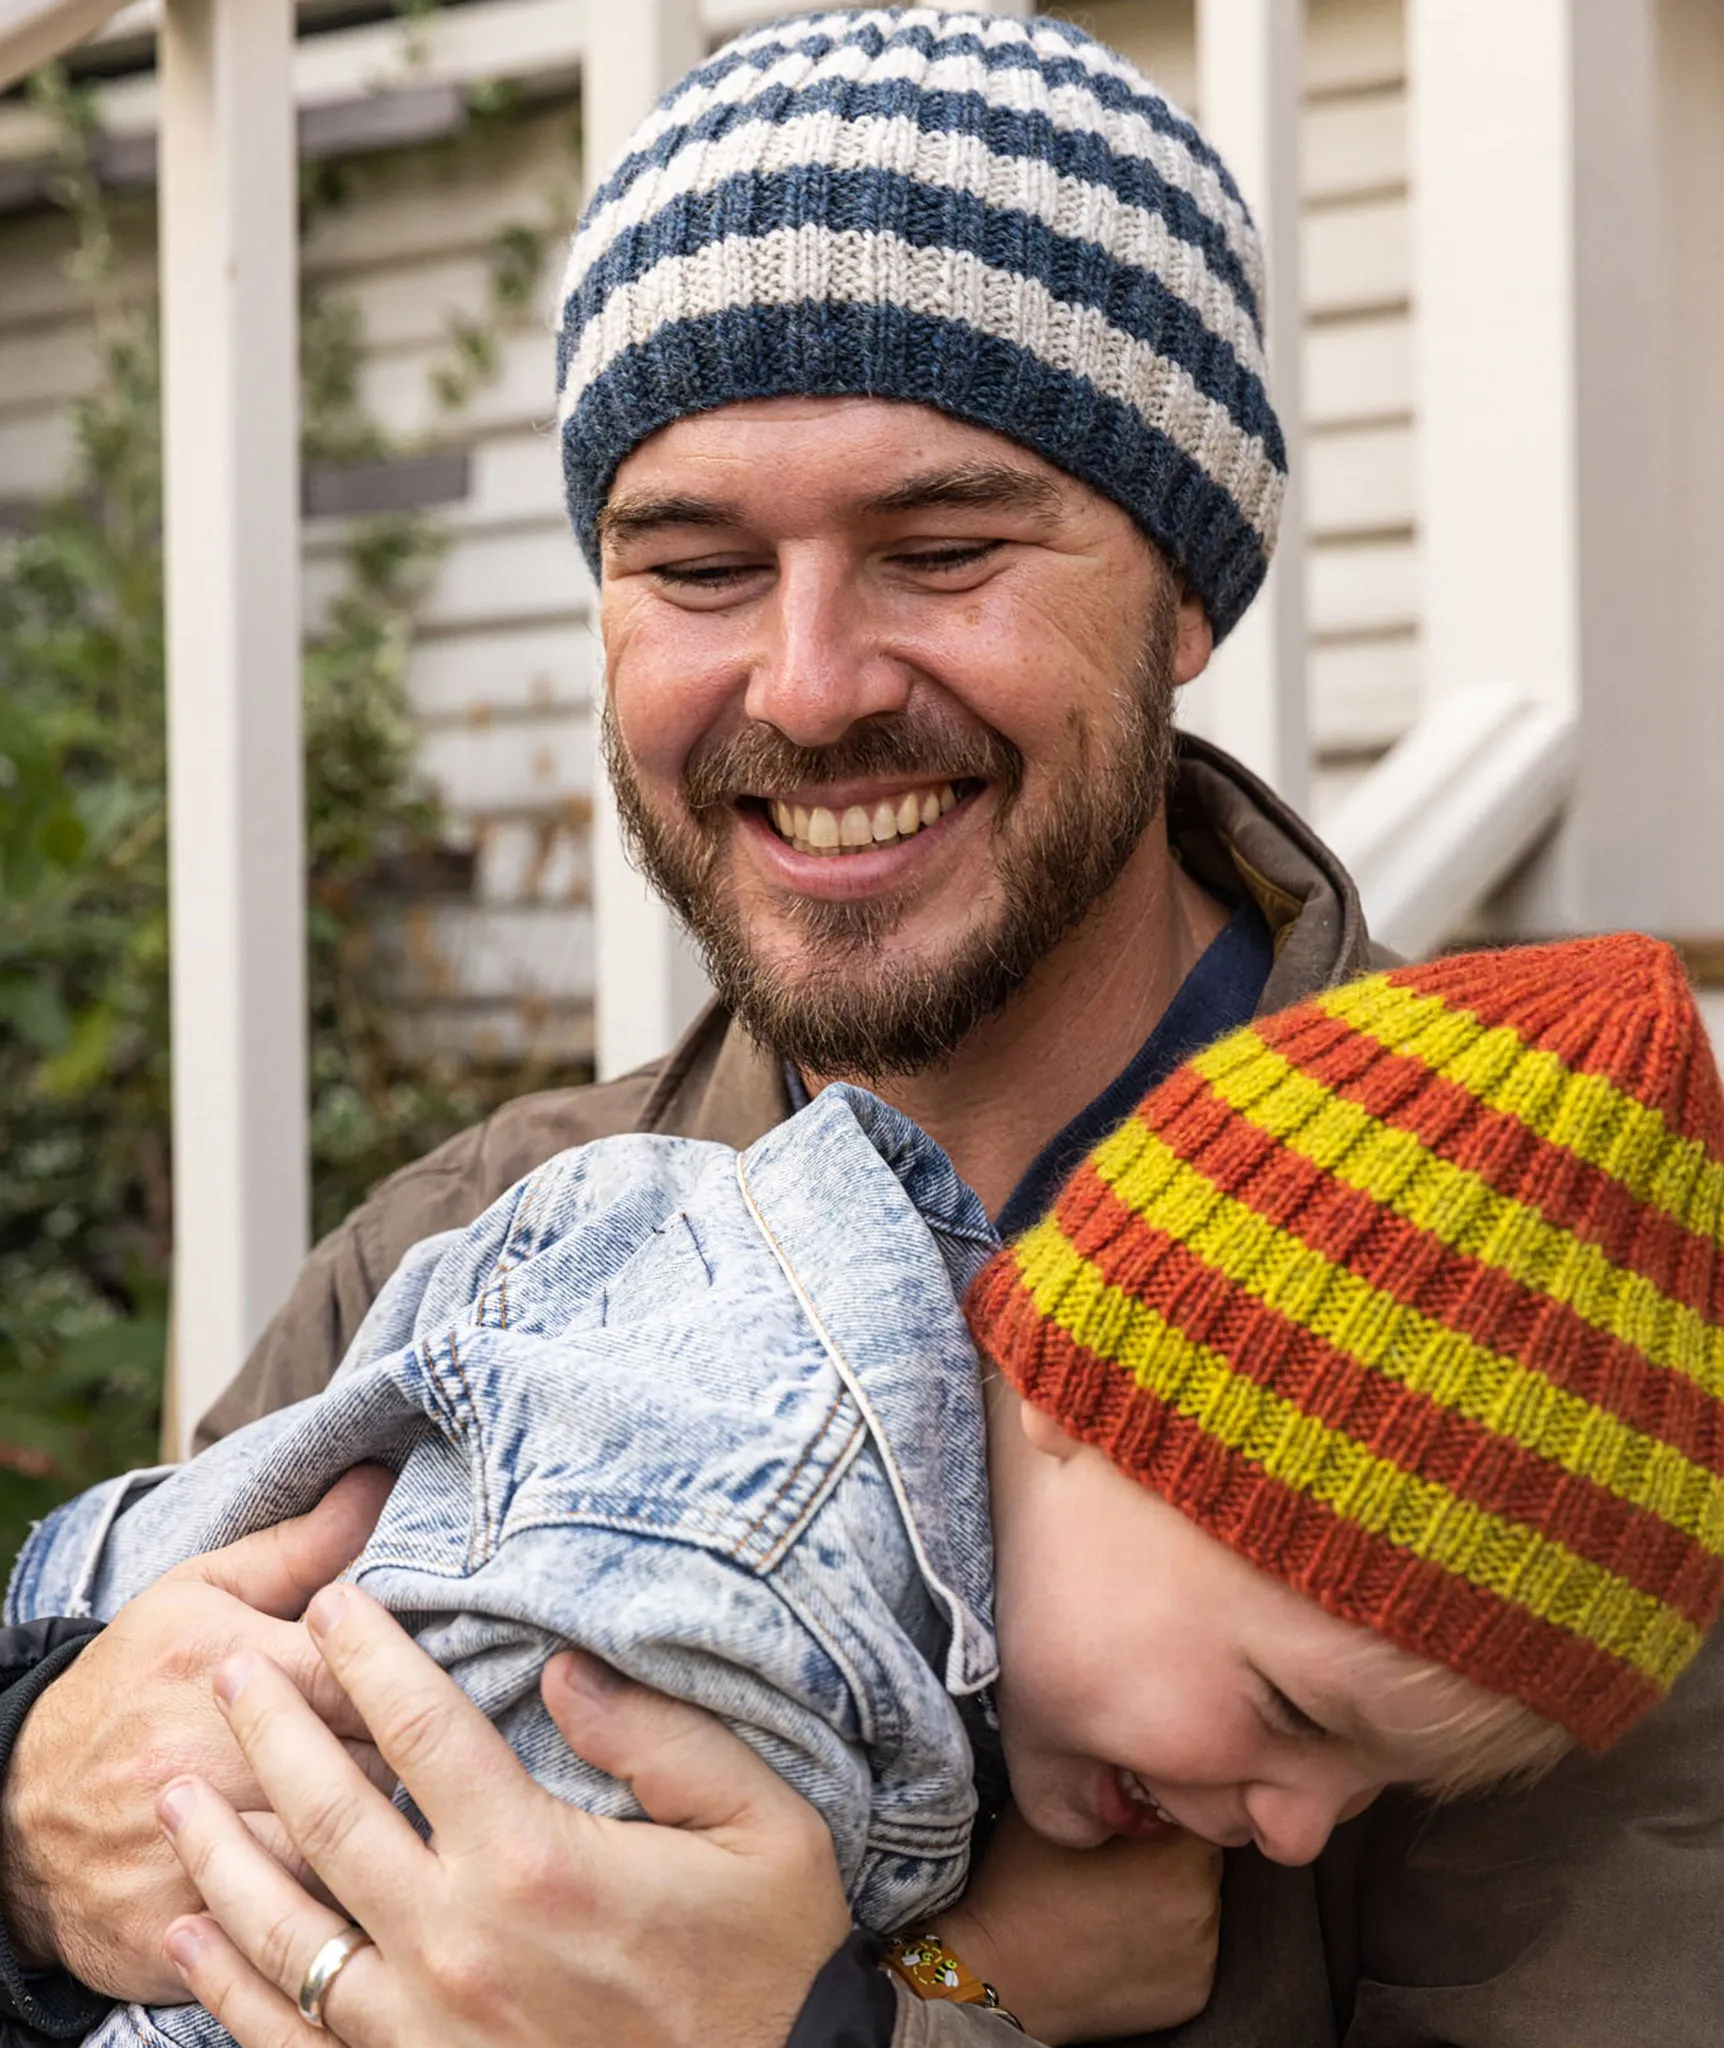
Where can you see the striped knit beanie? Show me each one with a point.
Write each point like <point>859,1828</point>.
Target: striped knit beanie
<point>1414,1297</point>
<point>1001,219</point>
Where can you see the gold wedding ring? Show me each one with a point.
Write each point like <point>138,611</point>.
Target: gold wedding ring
<point>328,1963</point>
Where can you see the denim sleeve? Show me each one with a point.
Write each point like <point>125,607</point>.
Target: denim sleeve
<point>39,2005</point>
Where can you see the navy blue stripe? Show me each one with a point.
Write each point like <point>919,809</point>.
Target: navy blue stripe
<point>1017,53</point>
<point>1081,154</point>
<point>932,217</point>
<point>881,351</point>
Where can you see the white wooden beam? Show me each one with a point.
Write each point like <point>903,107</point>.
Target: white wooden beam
<point>34,32</point>
<point>1536,244</point>
<point>236,816</point>
<point>647,980</point>
<point>1252,700</point>
<point>1451,809</point>
<point>529,40</point>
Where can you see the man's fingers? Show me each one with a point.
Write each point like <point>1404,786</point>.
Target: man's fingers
<point>687,1769</point>
<point>288,1646</point>
<point>277,1570</point>
<point>262,2014</point>
<point>252,2010</point>
<point>463,1776</point>
<point>320,1795</point>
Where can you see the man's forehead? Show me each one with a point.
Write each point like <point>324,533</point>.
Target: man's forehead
<point>825,458</point>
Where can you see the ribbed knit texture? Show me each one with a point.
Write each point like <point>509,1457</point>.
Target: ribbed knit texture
<point>1414,1297</point>
<point>998,218</point>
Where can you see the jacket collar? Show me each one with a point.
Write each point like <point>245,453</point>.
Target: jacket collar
<point>849,1154</point>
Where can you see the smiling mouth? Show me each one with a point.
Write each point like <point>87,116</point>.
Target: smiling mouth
<point>858,828</point>
<point>1137,1795</point>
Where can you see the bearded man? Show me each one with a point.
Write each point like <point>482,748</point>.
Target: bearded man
<point>914,423</point>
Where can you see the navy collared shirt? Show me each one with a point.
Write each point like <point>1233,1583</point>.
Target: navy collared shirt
<point>1219,994</point>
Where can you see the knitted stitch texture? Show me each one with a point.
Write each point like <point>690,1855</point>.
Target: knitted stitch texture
<point>1001,219</point>
<point>1414,1296</point>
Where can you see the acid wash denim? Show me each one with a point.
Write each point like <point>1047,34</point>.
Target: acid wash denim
<point>712,1416</point>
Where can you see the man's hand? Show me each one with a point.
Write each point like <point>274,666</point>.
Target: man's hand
<point>523,1923</point>
<point>85,1877</point>
<point>1092,1944</point>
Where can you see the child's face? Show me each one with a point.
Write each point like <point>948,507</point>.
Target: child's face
<point>1149,1674</point>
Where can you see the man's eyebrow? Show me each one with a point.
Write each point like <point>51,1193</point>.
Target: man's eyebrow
<point>626,518</point>
<point>984,486</point>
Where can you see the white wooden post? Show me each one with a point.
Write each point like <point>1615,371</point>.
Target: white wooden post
<point>236,845</point>
<point>1249,62</point>
<point>647,981</point>
<point>1535,284</point>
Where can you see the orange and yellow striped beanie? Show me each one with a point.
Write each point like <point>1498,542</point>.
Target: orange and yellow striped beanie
<point>1414,1296</point>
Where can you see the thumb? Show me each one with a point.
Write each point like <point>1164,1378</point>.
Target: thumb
<point>687,1769</point>
<point>277,1570</point>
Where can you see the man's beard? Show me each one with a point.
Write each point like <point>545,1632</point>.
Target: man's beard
<point>841,1007</point>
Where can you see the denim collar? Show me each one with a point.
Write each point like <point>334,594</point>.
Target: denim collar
<point>848,1154</point>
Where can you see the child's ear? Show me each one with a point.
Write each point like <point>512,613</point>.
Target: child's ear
<point>1045,1435</point>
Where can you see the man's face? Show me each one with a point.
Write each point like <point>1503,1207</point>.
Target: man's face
<point>1149,1674</point>
<point>889,712</point>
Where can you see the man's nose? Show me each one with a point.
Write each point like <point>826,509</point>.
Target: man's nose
<point>820,667</point>
<point>1292,1823</point>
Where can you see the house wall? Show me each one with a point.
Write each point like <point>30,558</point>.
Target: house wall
<point>1362,560</point>
<point>503,666</point>
<point>1656,766</point>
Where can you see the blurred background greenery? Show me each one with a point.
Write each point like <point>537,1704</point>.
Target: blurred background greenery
<point>85,1164</point>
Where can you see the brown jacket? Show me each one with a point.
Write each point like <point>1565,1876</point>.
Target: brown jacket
<point>1584,1914</point>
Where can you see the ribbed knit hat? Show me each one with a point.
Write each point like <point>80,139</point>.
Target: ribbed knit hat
<point>998,218</point>
<point>1414,1296</point>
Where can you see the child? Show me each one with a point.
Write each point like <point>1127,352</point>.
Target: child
<point>1356,1420</point>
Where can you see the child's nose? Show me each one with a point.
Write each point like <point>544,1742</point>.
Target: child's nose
<point>1291,1824</point>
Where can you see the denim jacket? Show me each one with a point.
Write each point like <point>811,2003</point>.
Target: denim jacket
<point>712,1416</point>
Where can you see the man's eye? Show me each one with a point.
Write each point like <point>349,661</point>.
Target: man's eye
<point>704,575</point>
<point>935,559</point>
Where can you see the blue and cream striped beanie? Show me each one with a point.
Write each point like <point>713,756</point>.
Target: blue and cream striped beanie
<point>999,218</point>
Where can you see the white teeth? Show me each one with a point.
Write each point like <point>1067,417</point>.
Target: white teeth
<point>818,829</point>
<point>1140,1795</point>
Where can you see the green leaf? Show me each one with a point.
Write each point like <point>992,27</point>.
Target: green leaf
<point>32,1006</point>
<point>85,1060</point>
<point>64,838</point>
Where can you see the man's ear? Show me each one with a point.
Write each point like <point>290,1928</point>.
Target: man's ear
<point>1044,1434</point>
<point>1196,639</point>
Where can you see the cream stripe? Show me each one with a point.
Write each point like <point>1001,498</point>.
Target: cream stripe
<point>848,267</point>
<point>1597,1121</point>
<point>954,163</point>
<point>1460,1208</point>
<point>1071,109</point>
<point>1515,1563</point>
<point>1404,1345</point>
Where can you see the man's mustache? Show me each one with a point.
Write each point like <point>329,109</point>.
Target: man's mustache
<point>760,762</point>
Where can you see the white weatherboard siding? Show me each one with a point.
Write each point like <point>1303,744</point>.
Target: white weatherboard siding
<point>1361,560</point>
<point>503,671</point>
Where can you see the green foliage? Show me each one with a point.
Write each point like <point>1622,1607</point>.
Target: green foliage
<point>85,1168</point>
